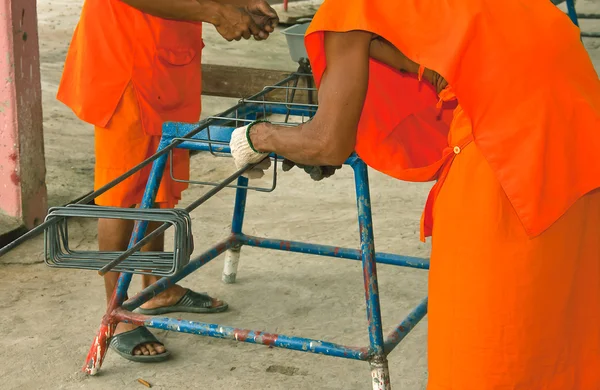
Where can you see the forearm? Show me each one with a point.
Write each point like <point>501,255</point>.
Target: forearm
<point>304,144</point>
<point>184,10</point>
<point>330,137</point>
<point>398,61</point>
<point>384,52</point>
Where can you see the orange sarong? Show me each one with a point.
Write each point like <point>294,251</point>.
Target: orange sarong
<point>507,311</point>
<point>122,145</point>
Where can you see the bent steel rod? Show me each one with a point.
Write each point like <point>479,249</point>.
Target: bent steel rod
<point>86,199</point>
<point>165,226</point>
<point>38,229</point>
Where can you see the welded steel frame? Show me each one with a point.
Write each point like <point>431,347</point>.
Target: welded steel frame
<point>193,137</point>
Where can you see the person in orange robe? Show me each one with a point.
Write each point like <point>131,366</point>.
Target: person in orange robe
<point>132,65</point>
<point>498,102</point>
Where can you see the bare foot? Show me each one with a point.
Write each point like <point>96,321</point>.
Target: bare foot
<point>170,297</point>
<point>143,349</point>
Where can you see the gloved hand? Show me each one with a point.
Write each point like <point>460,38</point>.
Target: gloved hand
<point>244,153</point>
<point>317,173</point>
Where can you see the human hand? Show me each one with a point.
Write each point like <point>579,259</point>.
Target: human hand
<point>235,23</point>
<point>438,82</point>
<point>317,173</point>
<point>244,153</point>
<point>264,16</point>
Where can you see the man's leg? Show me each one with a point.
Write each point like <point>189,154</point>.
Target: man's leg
<point>173,294</point>
<point>114,235</point>
<point>119,147</point>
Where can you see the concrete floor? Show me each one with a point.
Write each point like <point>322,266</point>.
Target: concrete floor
<point>48,317</point>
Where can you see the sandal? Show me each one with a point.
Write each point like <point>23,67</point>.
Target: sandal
<point>124,344</point>
<point>191,302</point>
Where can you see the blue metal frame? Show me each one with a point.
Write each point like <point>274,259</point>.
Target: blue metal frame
<point>571,11</point>
<point>574,16</point>
<point>379,347</point>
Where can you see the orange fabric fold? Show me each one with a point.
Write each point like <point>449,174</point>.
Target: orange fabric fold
<point>127,73</point>
<point>538,128</point>
<point>122,145</point>
<point>115,45</point>
<point>507,311</point>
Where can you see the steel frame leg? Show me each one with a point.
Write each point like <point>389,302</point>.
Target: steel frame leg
<point>572,12</point>
<point>380,376</point>
<point>232,256</point>
<point>100,344</point>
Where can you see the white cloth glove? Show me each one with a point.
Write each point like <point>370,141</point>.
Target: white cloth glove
<point>243,153</point>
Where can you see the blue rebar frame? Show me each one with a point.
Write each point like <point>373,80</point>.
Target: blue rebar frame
<point>574,16</point>
<point>177,135</point>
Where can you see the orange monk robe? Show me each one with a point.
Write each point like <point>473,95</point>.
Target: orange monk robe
<point>520,89</point>
<point>514,300</point>
<point>126,73</point>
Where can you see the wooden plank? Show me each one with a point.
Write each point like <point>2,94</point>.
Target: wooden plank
<point>241,82</point>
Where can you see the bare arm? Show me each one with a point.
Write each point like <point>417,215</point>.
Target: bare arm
<point>232,18</point>
<point>383,51</point>
<point>329,138</point>
<point>386,53</point>
<point>185,10</point>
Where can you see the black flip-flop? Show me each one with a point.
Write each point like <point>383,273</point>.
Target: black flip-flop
<point>124,344</point>
<point>191,302</point>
